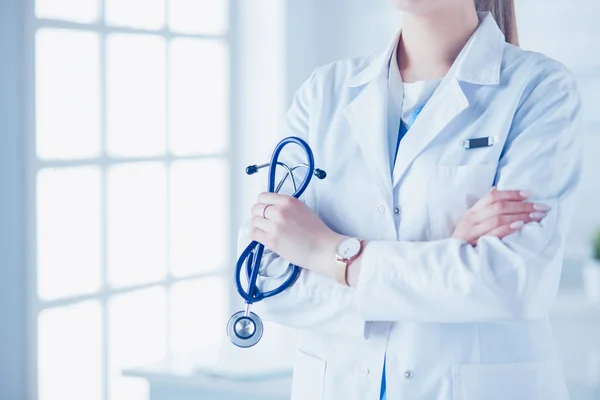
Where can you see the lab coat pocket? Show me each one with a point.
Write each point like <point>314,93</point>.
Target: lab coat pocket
<point>454,189</point>
<point>538,380</point>
<point>309,377</point>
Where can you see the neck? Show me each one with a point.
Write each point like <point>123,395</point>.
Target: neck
<point>430,43</point>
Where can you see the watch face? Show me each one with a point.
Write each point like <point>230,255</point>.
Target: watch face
<point>348,248</point>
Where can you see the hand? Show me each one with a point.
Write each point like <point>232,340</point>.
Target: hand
<point>293,231</point>
<point>499,213</point>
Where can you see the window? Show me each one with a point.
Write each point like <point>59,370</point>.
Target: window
<point>130,181</point>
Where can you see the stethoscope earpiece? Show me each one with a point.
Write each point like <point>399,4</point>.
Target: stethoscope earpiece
<point>319,173</point>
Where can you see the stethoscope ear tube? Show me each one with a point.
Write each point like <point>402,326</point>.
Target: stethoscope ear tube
<point>244,327</point>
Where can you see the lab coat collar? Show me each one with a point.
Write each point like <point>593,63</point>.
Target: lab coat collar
<point>478,63</point>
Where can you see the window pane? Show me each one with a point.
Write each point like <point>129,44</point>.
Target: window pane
<point>198,314</point>
<point>198,16</point>
<point>67,94</point>
<point>144,14</point>
<point>137,336</point>
<point>136,223</point>
<point>199,222</point>
<point>135,95</point>
<point>198,96</point>
<point>70,10</point>
<point>68,231</point>
<point>70,353</point>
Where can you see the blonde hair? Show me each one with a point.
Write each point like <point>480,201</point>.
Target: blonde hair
<point>504,14</point>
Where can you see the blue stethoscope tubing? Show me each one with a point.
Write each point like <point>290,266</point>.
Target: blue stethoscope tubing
<point>244,327</point>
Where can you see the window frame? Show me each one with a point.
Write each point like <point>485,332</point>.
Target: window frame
<point>33,165</point>
<point>13,277</point>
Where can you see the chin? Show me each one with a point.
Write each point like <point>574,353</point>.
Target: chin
<point>419,6</point>
<point>408,5</point>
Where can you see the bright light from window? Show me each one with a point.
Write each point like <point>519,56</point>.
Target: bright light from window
<point>199,216</point>
<point>135,95</point>
<point>137,336</point>
<point>70,353</point>
<point>136,223</point>
<point>198,314</point>
<point>132,189</point>
<point>83,11</point>
<point>142,14</point>
<point>67,94</point>
<point>68,233</point>
<point>198,16</point>
<point>198,96</point>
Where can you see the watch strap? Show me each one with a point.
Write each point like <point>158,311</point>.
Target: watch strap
<point>341,273</point>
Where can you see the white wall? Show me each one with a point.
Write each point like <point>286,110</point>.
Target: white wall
<point>322,31</point>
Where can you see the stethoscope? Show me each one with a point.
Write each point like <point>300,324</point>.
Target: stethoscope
<point>245,328</point>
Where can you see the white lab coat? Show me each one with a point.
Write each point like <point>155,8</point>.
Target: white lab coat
<point>453,321</point>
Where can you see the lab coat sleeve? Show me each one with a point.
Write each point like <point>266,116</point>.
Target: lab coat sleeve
<point>314,302</point>
<point>513,278</point>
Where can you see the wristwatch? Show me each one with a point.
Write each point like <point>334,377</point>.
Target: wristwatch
<point>347,251</point>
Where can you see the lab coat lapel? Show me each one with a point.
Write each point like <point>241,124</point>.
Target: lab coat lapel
<point>479,64</point>
<point>367,117</point>
<point>445,105</point>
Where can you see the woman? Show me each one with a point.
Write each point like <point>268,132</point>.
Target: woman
<point>433,250</point>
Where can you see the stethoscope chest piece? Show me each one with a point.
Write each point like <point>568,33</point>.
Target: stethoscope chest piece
<point>244,329</point>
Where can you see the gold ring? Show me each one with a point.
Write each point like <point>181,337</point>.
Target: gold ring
<point>265,210</point>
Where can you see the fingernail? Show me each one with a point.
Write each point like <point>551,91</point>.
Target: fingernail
<point>541,207</point>
<point>525,193</point>
<point>537,215</point>
<point>492,188</point>
<point>517,224</point>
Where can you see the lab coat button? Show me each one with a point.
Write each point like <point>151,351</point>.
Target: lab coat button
<point>381,209</point>
<point>408,374</point>
<point>365,372</point>
<point>397,210</point>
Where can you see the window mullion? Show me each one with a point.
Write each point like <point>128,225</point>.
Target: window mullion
<point>102,27</point>
<point>168,332</point>
<point>103,216</point>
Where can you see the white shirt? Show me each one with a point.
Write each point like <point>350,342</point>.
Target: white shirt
<point>403,99</point>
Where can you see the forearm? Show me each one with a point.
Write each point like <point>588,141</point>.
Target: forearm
<point>452,281</point>
<point>315,302</point>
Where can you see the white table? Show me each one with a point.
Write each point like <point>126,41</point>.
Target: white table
<point>219,374</point>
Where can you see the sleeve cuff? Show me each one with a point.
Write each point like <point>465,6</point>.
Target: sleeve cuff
<point>368,281</point>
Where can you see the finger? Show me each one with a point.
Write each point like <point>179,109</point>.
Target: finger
<point>498,221</point>
<point>275,198</point>
<point>496,195</point>
<point>259,236</point>
<point>262,224</point>
<point>507,207</point>
<point>262,210</point>
<point>506,230</point>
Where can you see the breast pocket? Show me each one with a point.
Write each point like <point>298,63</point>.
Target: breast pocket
<point>309,377</point>
<point>454,189</point>
<point>540,380</point>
